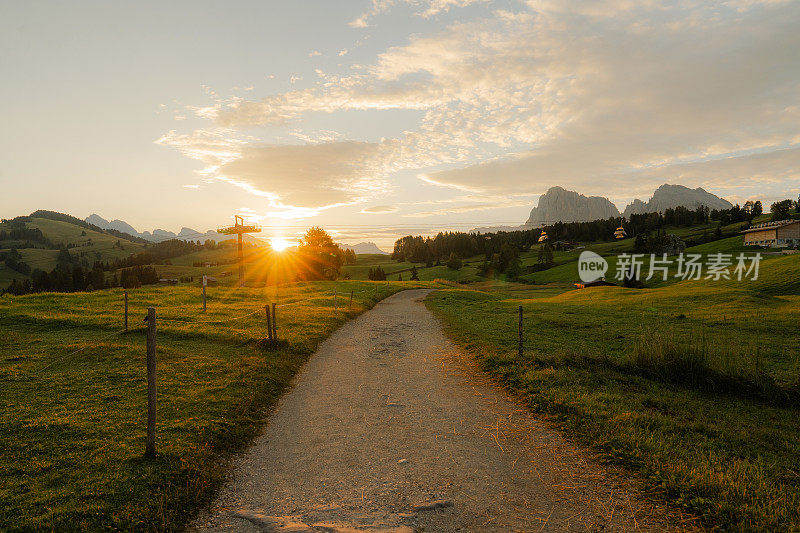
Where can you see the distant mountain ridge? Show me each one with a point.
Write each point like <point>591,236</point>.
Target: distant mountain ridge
<point>158,235</point>
<point>671,196</point>
<point>116,224</point>
<point>561,205</point>
<point>364,248</point>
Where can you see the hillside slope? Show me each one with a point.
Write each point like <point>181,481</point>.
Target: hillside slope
<point>88,245</point>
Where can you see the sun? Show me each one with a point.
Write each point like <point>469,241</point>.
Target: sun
<point>279,244</point>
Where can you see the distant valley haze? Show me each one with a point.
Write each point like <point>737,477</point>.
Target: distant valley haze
<point>378,119</point>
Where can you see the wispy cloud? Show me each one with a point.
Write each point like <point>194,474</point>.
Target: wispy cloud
<point>380,209</point>
<point>422,8</point>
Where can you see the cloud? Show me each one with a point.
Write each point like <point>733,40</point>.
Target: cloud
<point>601,100</point>
<point>300,180</point>
<point>380,209</point>
<point>316,176</point>
<point>608,97</point>
<point>768,172</point>
<point>350,93</point>
<point>422,8</point>
<point>213,147</point>
<point>467,208</point>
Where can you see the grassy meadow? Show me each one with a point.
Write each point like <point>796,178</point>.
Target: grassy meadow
<point>73,396</point>
<point>395,269</point>
<point>693,386</point>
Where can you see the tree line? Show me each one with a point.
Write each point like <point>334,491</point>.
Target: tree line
<point>70,276</point>
<point>161,252</point>
<point>19,231</point>
<point>501,250</point>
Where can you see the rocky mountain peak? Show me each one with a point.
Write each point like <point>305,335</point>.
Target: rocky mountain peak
<point>671,196</point>
<point>561,205</point>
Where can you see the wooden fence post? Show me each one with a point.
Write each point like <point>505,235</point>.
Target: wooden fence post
<point>126,311</point>
<point>269,323</point>
<point>205,280</point>
<point>351,300</point>
<point>334,300</point>
<point>274,323</point>
<point>520,332</point>
<point>151,381</point>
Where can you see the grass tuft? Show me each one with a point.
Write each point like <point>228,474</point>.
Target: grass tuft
<point>659,355</point>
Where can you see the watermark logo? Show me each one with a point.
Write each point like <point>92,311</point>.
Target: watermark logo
<point>591,266</point>
<point>715,267</point>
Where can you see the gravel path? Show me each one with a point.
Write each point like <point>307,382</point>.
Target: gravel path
<point>390,427</point>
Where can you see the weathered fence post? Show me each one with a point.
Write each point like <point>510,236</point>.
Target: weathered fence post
<point>520,332</point>
<point>269,323</point>
<point>351,301</point>
<point>126,311</point>
<point>335,294</point>
<point>151,381</point>
<point>274,323</point>
<point>205,281</point>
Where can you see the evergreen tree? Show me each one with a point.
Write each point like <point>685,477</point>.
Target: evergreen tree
<point>78,282</point>
<point>376,274</point>
<point>545,255</point>
<point>454,262</point>
<point>780,210</point>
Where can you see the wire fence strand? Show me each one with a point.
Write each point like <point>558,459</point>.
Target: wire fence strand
<point>98,342</point>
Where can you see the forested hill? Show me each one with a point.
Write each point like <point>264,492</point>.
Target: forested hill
<point>48,250</point>
<point>63,217</point>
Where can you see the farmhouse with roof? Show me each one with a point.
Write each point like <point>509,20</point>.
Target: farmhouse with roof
<point>774,234</point>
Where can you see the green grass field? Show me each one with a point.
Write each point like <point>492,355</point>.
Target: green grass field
<point>694,387</point>
<point>466,274</point>
<point>73,396</point>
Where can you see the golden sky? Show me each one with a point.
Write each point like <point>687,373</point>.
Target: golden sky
<point>388,115</point>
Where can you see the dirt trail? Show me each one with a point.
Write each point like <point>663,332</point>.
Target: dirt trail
<point>390,428</point>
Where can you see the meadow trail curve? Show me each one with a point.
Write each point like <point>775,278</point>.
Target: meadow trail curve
<point>389,427</point>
